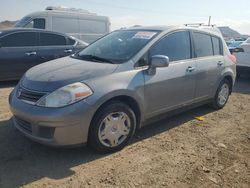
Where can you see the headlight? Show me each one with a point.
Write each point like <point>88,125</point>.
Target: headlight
<point>66,95</point>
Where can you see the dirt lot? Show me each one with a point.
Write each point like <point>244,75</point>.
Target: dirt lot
<point>176,152</point>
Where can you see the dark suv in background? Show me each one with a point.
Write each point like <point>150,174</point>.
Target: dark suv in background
<point>21,49</point>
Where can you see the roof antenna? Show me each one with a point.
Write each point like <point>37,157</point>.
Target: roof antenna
<point>209,20</point>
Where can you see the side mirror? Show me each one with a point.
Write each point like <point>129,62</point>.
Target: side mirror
<point>236,50</point>
<point>158,61</point>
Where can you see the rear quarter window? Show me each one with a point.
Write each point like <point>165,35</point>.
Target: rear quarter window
<point>71,41</point>
<point>203,44</point>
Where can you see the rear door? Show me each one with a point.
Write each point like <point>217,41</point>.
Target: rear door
<point>209,63</point>
<point>173,86</point>
<point>18,53</point>
<point>53,46</point>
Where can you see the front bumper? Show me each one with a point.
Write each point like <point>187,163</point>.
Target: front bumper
<point>52,126</point>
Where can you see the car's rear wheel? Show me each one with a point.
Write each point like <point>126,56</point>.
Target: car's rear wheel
<point>112,127</point>
<point>222,95</point>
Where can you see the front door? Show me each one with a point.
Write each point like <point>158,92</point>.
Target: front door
<point>173,86</point>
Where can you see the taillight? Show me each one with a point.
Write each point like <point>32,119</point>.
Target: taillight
<point>232,58</point>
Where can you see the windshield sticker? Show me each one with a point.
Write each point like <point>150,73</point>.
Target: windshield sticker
<point>144,35</point>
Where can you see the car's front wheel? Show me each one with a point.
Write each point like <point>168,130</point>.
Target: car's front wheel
<point>112,127</point>
<point>222,95</point>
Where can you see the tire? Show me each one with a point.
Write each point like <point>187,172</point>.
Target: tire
<point>219,100</point>
<point>238,75</point>
<point>108,125</point>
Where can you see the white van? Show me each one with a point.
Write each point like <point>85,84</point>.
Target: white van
<point>75,22</point>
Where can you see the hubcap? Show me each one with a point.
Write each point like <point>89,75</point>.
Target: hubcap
<point>114,129</point>
<point>223,94</point>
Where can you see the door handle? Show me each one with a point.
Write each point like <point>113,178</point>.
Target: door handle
<point>68,51</point>
<point>220,63</point>
<point>190,69</point>
<point>30,53</point>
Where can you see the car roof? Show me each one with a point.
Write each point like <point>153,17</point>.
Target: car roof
<point>156,28</point>
<point>16,29</point>
<point>168,28</point>
<point>67,13</point>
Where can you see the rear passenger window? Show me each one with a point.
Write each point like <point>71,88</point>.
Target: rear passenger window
<point>48,39</point>
<point>216,45</point>
<point>21,39</point>
<point>176,46</point>
<point>203,45</point>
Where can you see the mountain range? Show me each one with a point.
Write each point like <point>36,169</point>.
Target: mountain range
<point>6,24</point>
<point>229,33</point>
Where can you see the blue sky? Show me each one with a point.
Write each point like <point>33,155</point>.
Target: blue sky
<point>124,13</point>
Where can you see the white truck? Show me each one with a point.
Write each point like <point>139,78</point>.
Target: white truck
<point>78,23</point>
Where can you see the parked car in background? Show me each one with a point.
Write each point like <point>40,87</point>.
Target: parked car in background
<point>102,94</point>
<point>235,44</point>
<point>21,49</point>
<point>243,58</point>
<point>79,23</point>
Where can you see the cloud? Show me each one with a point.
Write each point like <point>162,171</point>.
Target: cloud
<point>124,21</point>
<point>242,26</point>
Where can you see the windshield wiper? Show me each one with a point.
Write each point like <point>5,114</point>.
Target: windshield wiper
<point>95,58</point>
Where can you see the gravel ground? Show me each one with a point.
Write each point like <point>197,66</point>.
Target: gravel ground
<point>176,152</point>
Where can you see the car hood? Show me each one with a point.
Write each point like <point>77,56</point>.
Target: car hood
<point>54,74</point>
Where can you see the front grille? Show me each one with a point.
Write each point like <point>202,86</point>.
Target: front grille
<point>23,124</point>
<point>28,95</point>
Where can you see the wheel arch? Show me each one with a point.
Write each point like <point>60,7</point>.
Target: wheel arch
<point>126,99</point>
<point>230,79</point>
<point>228,76</point>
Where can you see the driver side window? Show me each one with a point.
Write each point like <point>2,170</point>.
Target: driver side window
<point>38,23</point>
<point>177,46</point>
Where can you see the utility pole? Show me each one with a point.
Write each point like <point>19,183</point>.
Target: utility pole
<point>209,20</point>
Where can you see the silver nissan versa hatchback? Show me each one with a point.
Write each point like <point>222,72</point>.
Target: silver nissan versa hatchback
<point>102,94</point>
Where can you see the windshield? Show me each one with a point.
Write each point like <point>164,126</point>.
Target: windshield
<point>118,46</point>
<point>22,22</point>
